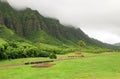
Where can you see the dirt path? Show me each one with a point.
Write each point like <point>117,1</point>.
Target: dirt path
<point>11,65</point>
<point>44,64</point>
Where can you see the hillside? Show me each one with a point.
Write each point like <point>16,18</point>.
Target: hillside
<point>32,26</point>
<point>28,21</point>
<point>34,46</point>
<point>117,44</point>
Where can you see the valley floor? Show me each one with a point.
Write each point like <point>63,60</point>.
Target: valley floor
<point>92,66</point>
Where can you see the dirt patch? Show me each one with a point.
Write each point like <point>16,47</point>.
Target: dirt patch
<point>11,65</point>
<point>43,65</point>
<point>37,64</point>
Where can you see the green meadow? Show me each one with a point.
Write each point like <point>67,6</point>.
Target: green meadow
<point>104,66</point>
<point>33,46</point>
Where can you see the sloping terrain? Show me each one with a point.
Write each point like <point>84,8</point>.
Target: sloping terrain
<point>37,28</point>
<point>117,44</point>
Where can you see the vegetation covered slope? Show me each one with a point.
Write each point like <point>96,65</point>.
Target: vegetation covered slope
<point>37,28</point>
<point>117,44</point>
<point>13,46</point>
<point>8,34</point>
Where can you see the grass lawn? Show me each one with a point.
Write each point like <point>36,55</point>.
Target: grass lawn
<point>99,67</point>
<point>21,60</point>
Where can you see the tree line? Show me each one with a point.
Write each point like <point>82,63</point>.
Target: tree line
<point>14,50</point>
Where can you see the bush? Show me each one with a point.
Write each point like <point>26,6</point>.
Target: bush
<point>53,56</point>
<point>44,54</point>
<point>13,50</point>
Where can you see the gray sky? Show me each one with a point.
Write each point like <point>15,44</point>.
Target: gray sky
<point>99,19</point>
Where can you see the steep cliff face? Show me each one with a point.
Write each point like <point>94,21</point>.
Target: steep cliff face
<point>29,22</point>
<point>22,22</point>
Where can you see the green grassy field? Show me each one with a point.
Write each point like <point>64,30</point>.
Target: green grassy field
<point>98,67</point>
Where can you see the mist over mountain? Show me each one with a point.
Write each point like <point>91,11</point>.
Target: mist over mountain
<point>56,39</point>
<point>36,28</point>
<point>117,44</point>
<point>95,17</point>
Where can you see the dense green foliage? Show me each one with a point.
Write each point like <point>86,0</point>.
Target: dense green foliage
<point>13,50</point>
<point>26,33</point>
<point>53,56</point>
<point>44,54</point>
<point>10,35</point>
<point>81,43</point>
<point>42,37</point>
<point>13,46</point>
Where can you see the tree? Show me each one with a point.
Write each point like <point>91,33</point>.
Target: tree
<point>81,43</point>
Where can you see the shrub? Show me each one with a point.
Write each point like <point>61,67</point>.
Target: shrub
<point>53,56</point>
<point>44,54</point>
<point>13,50</point>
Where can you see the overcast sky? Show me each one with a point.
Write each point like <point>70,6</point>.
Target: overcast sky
<point>99,19</point>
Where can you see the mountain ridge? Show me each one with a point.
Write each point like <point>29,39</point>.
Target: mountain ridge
<point>117,44</point>
<point>26,22</point>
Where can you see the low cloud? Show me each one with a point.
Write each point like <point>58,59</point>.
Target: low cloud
<point>98,18</point>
